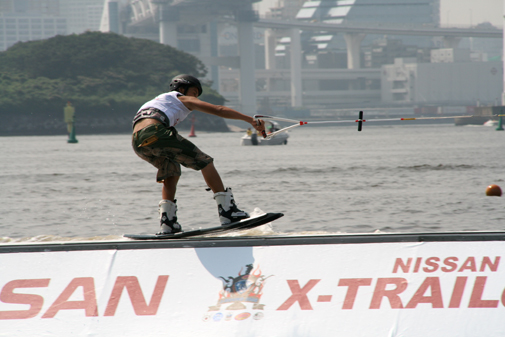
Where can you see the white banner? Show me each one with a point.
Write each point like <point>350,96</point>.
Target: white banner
<point>375,289</point>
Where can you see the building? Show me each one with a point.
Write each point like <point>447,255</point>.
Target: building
<point>82,15</point>
<point>28,20</point>
<point>443,83</point>
<point>386,50</point>
<point>34,7</point>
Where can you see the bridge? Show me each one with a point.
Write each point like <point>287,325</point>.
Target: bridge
<point>168,13</point>
<point>354,33</point>
<point>383,29</point>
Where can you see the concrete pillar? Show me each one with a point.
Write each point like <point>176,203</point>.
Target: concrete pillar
<point>110,21</point>
<point>247,67</point>
<point>296,68</point>
<point>353,42</point>
<point>113,9</point>
<point>168,25</point>
<point>214,52</point>
<point>270,44</point>
<point>167,35</point>
<point>503,58</point>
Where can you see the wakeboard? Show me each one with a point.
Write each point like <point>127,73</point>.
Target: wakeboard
<point>234,226</point>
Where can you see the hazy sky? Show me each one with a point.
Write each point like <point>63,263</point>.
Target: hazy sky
<point>466,12</point>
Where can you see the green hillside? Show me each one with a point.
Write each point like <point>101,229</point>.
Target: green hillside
<point>105,76</point>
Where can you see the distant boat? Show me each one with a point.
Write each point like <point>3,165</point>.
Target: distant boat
<point>253,139</point>
<point>491,122</point>
<point>480,116</point>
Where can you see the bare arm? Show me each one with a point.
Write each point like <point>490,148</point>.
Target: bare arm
<point>194,103</point>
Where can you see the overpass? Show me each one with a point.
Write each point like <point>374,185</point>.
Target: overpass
<point>354,33</point>
<point>167,14</point>
<point>360,28</point>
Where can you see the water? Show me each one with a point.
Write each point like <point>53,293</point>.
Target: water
<point>405,178</point>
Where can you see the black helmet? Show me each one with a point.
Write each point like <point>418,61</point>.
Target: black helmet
<point>185,82</point>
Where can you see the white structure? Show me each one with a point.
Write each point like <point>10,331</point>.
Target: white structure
<point>463,83</point>
<point>110,18</point>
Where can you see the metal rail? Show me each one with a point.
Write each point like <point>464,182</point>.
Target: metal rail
<point>251,241</point>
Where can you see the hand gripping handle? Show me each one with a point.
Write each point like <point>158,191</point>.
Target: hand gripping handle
<point>263,133</point>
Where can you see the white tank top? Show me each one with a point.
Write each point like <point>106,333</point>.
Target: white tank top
<point>170,105</point>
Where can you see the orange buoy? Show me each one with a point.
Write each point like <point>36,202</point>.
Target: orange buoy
<point>493,191</point>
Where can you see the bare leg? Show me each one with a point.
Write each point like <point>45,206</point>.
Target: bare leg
<point>212,178</point>
<point>169,188</point>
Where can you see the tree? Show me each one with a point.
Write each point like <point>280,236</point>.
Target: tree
<point>105,75</point>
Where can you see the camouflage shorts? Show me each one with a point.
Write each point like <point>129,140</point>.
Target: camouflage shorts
<point>166,150</point>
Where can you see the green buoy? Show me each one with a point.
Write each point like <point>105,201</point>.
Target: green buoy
<point>500,124</point>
